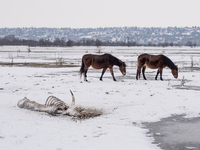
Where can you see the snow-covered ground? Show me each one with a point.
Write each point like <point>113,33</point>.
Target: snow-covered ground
<point>125,103</point>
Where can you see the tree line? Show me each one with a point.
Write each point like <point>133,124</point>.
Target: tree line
<point>61,42</point>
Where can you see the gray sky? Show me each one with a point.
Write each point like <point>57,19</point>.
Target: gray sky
<point>99,13</point>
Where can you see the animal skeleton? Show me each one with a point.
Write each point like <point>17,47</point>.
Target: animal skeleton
<point>55,106</point>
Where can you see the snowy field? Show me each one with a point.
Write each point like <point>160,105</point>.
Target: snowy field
<point>125,103</point>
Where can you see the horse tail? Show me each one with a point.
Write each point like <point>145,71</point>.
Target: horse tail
<point>82,70</point>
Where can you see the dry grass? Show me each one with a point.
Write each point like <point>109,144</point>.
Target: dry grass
<point>87,112</point>
<point>39,65</point>
<point>189,69</point>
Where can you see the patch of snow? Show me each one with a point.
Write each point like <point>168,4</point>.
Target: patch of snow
<point>125,103</point>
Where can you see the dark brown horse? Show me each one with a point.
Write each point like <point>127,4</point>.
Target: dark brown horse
<point>154,62</point>
<point>101,61</point>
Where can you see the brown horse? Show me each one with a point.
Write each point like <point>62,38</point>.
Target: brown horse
<point>101,61</point>
<point>154,62</point>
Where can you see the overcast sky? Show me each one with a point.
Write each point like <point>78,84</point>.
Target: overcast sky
<point>99,13</point>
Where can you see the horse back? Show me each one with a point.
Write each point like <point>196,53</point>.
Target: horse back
<point>143,58</point>
<point>96,61</point>
<point>101,61</point>
<point>151,61</point>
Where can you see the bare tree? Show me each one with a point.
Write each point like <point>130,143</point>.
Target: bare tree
<point>69,43</point>
<point>98,43</point>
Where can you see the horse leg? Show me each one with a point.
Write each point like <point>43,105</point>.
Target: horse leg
<point>103,71</point>
<point>143,70</point>
<point>85,75</point>
<point>138,73</point>
<point>111,71</point>
<point>161,74</point>
<point>157,74</point>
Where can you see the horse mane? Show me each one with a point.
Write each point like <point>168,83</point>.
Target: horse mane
<point>115,60</point>
<point>169,63</point>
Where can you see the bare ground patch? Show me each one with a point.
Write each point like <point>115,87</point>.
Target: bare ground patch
<point>189,69</point>
<point>187,87</point>
<point>39,65</point>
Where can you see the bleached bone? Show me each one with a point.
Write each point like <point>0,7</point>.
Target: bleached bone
<point>54,101</point>
<point>32,105</point>
<point>73,98</point>
<point>55,106</point>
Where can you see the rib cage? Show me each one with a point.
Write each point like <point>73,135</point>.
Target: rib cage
<point>54,101</point>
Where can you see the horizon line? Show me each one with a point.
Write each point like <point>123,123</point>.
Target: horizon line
<point>104,27</point>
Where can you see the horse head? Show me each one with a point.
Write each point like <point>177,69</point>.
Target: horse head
<point>122,68</point>
<point>175,72</point>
